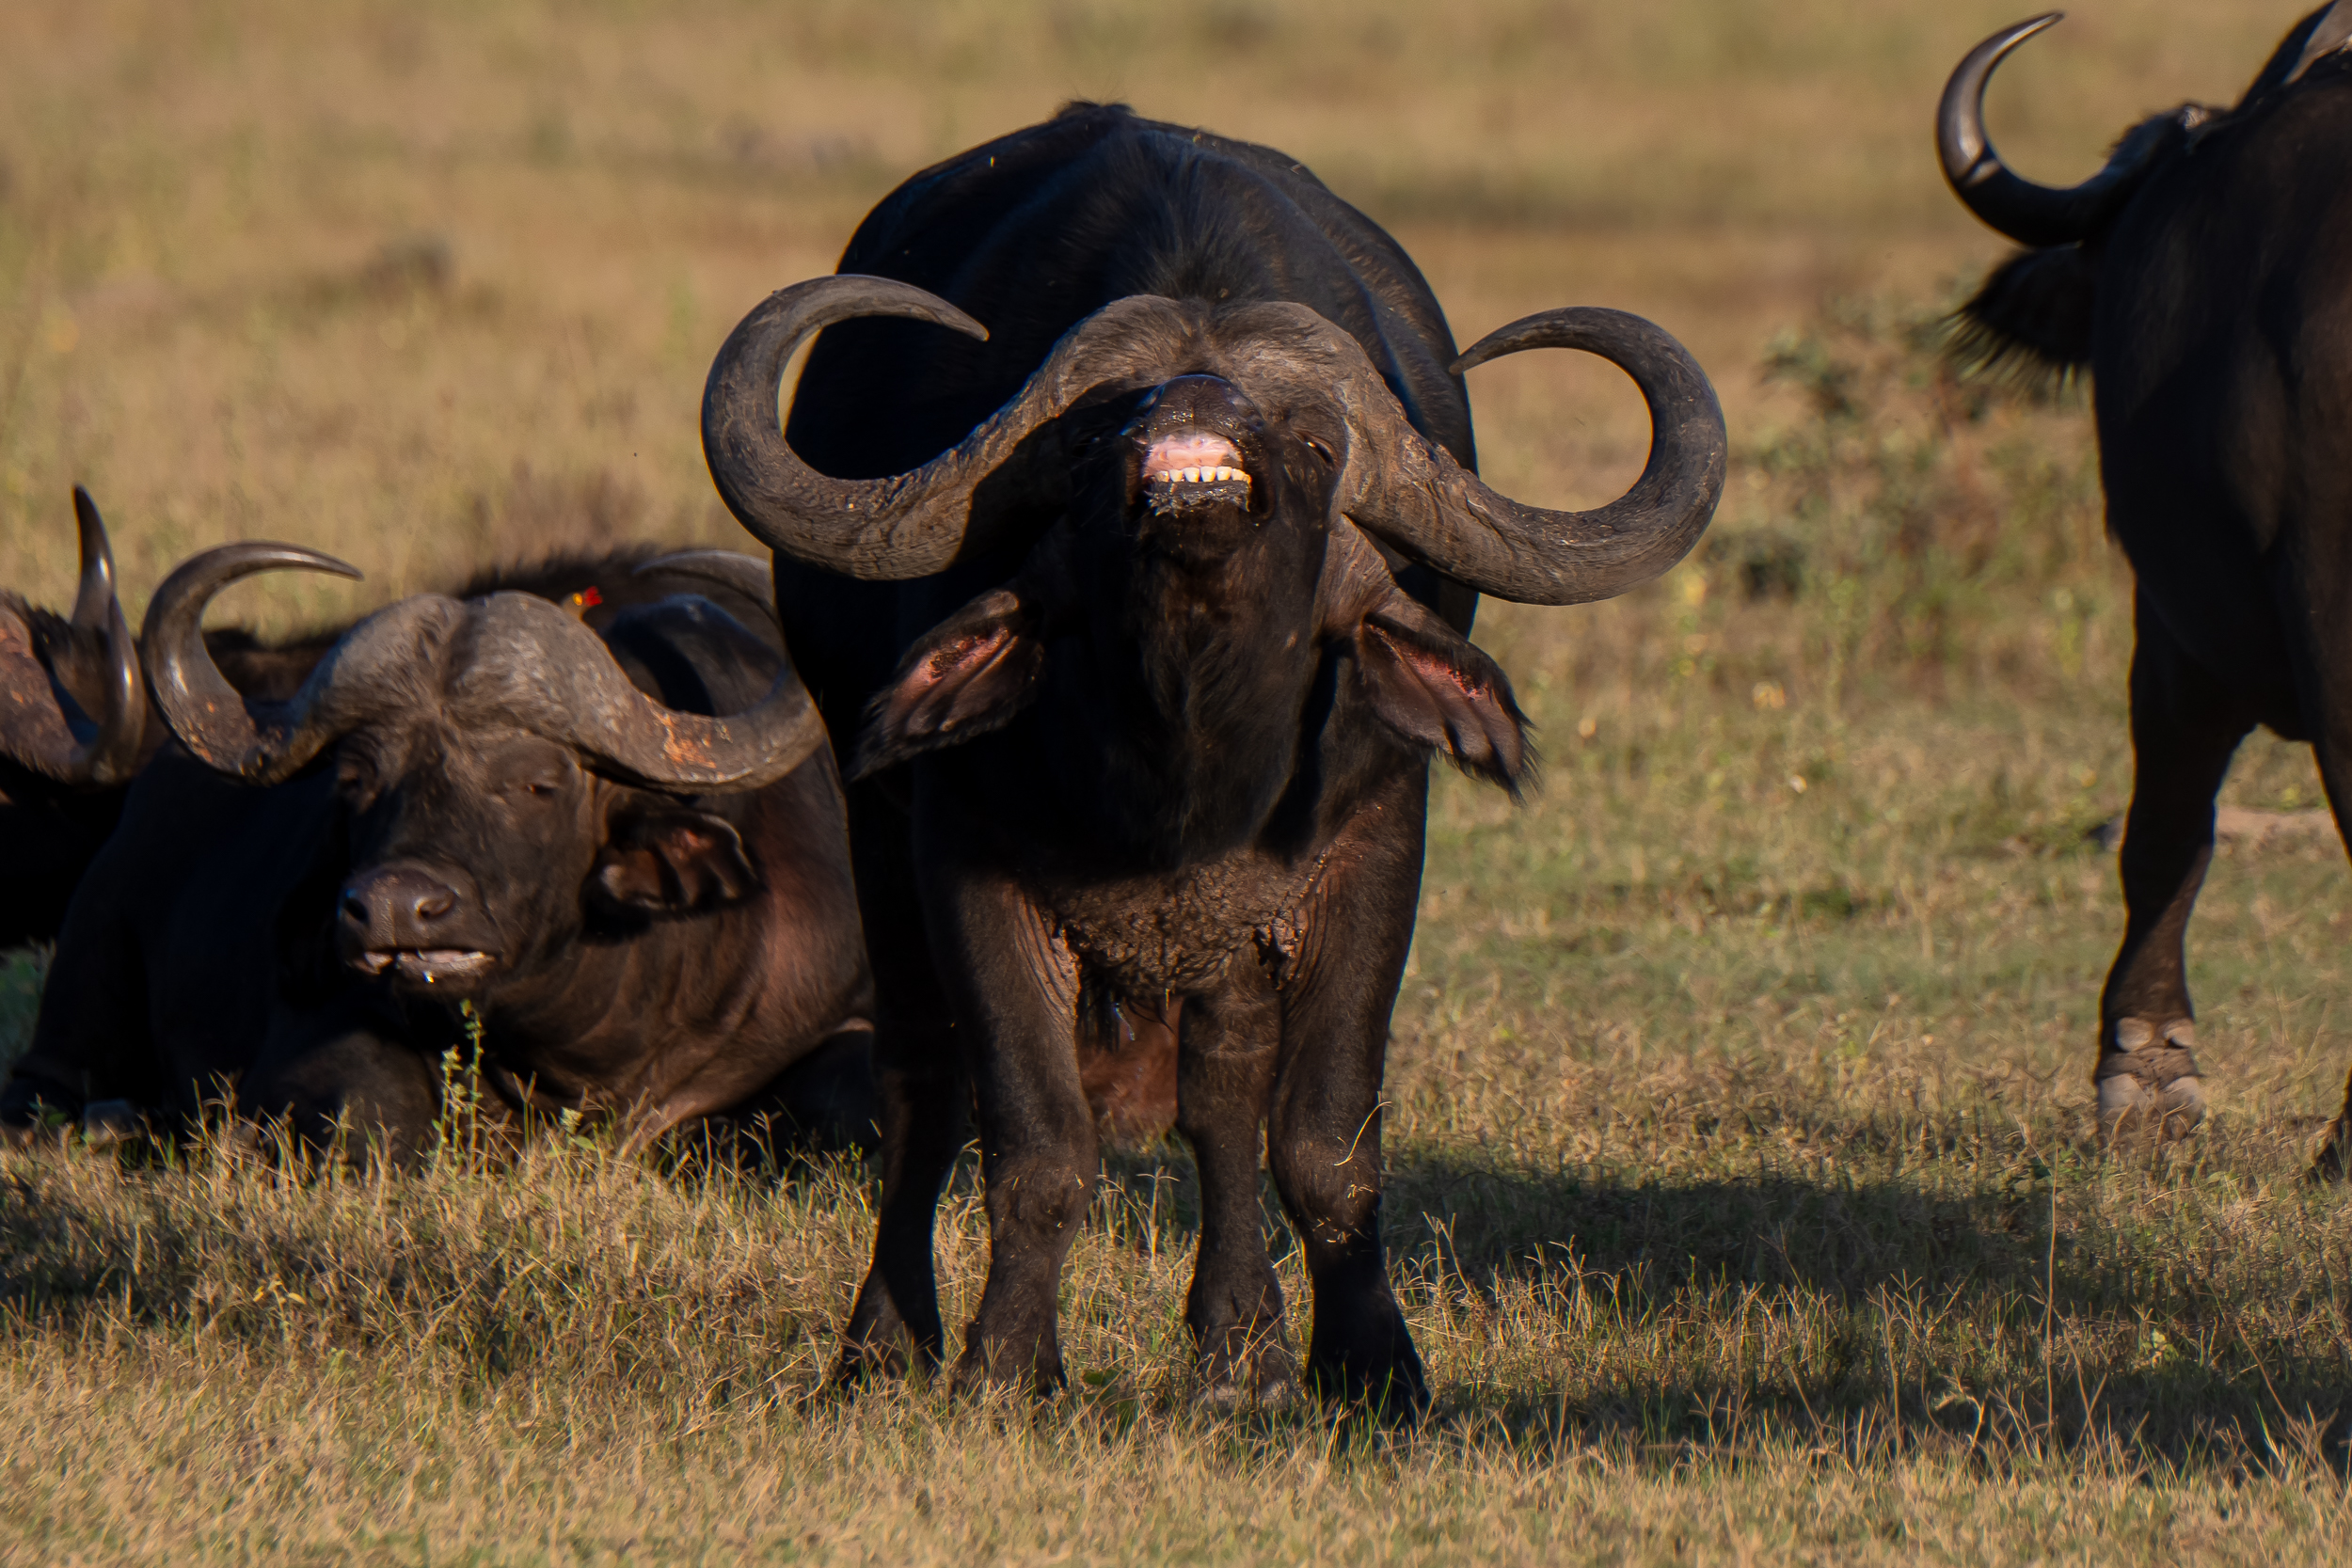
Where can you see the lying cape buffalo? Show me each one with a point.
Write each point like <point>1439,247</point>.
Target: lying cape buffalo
<point>75,724</point>
<point>2201,278</point>
<point>1149,593</point>
<point>626,851</point>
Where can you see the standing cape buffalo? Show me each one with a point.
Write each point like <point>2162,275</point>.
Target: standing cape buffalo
<point>626,851</point>
<point>1148,735</point>
<point>2204,278</point>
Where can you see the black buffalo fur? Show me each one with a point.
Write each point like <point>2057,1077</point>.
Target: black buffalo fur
<point>1141,763</point>
<point>653,957</point>
<point>2030,322</point>
<point>2209,312</point>
<point>49,832</point>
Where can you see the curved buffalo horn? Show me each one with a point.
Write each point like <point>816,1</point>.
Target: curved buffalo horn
<point>1416,497</point>
<point>258,742</point>
<point>526,661</point>
<point>2029,214</point>
<point>908,525</point>
<point>104,749</point>
<point>746,574</point>
<point>111,753</point>
<point>537,666</point>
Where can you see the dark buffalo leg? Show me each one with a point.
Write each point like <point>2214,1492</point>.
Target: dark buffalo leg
<point>1016,990</point>
<point>1323,1135</point>
<point>2316,607</point>
<point>921,1094</point>
<point>1224,1072</point>
<point>344,1082</point>
<point>2184,730</point>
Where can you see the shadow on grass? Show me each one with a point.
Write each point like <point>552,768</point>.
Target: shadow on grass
<point>2154,1305</point>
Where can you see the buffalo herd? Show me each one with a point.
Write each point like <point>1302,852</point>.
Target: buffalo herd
<point>1126,539</point>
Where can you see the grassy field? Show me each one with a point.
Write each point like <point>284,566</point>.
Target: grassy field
<point>1742,1177</point>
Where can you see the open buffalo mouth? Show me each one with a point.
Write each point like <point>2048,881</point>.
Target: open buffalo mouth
<point>1192,469</point>
<point>426,965</point>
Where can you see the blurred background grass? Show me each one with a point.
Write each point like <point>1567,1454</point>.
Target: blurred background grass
<point>1754,1049</point>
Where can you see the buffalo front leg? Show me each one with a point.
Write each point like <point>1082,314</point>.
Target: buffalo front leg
<point>1224,1072</point>
<point>1323,1135</point>
<point>2184,730</point>
<point>346,1083</point>
<point>1015,986</point>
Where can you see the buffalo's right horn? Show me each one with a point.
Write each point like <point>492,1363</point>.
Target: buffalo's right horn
<point>914,524</point>
<point>102,749</point>
<point>256,741</point>
<point>2029,214</point>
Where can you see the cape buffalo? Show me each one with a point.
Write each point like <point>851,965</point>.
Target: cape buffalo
<point>1150,593</point>
<point>2201,278</point>
<point>624,852</point>
<point>75,724</point>
<point>72,711</point>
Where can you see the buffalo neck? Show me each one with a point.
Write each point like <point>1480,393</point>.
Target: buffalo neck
<point>1183,689</point>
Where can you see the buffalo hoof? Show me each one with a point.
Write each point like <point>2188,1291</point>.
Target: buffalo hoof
<point>2147,1078</point>
<point>2333,1161</point>
<point>1382,1377</point>
<point>1252,1371</point>
<point>983,1369</point>
<point>108,1122</point>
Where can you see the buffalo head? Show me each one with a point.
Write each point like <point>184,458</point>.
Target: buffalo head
<point>72,713</point>
<point>2037,307</point>
<point>498,773</point>
<point>1289,362</point>
<point>1240,481</point>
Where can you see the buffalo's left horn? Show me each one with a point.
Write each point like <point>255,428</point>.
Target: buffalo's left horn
<point>1416,497</point>
<point>2029,214</point>
<point>547,671</point>
<point>104,749</point>
<point>258,742</point>
<point>746,574</point>
<point>914,524</point>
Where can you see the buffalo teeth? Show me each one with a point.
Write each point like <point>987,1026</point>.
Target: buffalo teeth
<point>1204,476</point>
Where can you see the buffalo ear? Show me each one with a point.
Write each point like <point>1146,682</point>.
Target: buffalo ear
<point>970,674</point>
<point>672,860</point>
<point>2031,318</point>
<point>1432,687</point>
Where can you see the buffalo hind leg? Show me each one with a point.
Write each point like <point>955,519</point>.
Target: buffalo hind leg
<point>1323,1132</point>
<point>2184,730</point>
<point>1224,1072</point>
<point>920,1094</point>
<point>896,1321</point>
<point>2330,725</point>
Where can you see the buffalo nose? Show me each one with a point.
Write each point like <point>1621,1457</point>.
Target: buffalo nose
<point>397,905</point>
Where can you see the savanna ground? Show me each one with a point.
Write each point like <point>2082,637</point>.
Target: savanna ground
<point>1742,1185</point>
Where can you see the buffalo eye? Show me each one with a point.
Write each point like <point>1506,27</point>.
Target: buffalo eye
<point>537,787</point>
<point>1331,460</point>
<point>355,776</point>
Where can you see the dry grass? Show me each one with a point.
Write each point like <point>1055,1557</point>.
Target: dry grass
<point>1741,1179</point>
